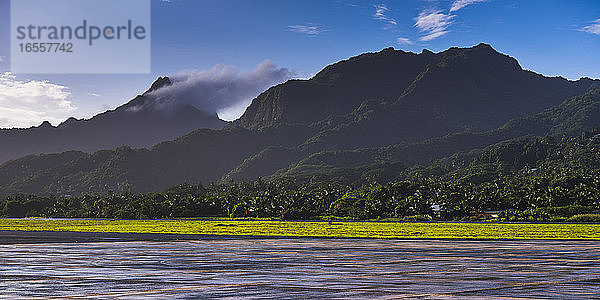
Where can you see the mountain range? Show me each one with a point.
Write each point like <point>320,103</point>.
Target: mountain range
<point>391,107</point>
<point>138,123</point>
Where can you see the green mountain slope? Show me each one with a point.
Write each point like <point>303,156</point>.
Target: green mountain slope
<point>572,117</point>
<point>390,107</point>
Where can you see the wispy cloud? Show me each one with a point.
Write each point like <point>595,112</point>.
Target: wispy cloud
<point>306,29</point>
<point>344,2</point>
<point>28,103</point>
<point>220,89</point>
<point>404,41</point>
<point>381,15</point>
<point>93,94</point>
<point>594,28</point>
<point>433,24</point>
<point>459,4</point>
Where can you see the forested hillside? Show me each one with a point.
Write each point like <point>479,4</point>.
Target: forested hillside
<point>528,179</point>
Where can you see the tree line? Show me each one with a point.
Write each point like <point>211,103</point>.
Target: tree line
<point>532,179</point>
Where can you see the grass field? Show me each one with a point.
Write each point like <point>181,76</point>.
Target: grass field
<point>314,229</point>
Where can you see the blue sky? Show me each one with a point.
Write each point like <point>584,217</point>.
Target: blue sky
<point>552,37</point>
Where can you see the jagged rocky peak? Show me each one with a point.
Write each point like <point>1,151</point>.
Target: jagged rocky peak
<point>390,50</point>
<point>145,101</point>
<point>159,83</point>
<point>427,52</point>
<point>480,56</point>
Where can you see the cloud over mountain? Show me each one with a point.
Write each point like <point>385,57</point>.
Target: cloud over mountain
<point>219,88</point>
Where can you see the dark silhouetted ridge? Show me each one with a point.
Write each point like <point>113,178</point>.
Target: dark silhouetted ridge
<point>391,107</point>
<point>137,123</point>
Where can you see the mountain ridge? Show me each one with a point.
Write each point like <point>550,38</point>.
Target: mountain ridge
<point>401,111</point>
<point>134,124</point>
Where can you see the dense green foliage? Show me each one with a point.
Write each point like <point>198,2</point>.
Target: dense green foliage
<point>528,179</point>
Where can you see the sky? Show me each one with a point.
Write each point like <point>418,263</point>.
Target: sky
<point>248,45</point>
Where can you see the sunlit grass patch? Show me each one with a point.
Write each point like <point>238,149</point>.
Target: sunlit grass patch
<point>315,229</point>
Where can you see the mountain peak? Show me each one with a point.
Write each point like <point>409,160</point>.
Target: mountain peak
<point>486,49</point>
<point>391,51</point>
<point>69,122</point>
<point>159,83</point>
<point>471,78</point>
<point>484,46</point>
<point>45,124</point>
<point>427,52</point>
<point>481,49</point>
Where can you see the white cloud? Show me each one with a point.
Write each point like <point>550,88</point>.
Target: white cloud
<point>28,103</point>
<point>404,41</point>
<point>220,90</point>
<point>93,94</point>
<point>432,36</point>
<point>306,29</point>
<point>594,28</point>
<point>433,24</point>
<point>380,14</point>
<point>459,4</point>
